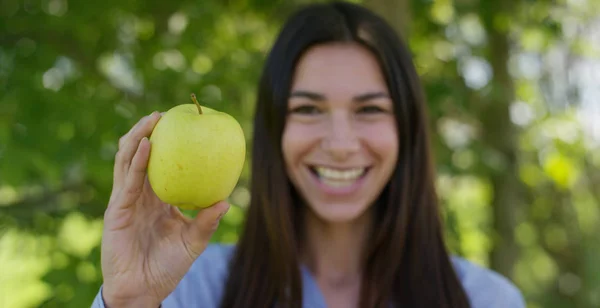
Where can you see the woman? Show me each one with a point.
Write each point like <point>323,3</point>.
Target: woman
<point>344,211</point>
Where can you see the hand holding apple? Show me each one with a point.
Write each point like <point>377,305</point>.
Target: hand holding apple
<point>149,245</point>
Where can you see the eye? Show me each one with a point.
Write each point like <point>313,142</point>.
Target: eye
<point>370,109</point>
<point>305,110</point>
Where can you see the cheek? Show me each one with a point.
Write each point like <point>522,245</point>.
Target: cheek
<point>382,141</point>
<point>297,140</point>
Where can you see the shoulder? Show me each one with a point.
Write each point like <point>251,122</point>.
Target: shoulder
<point>485,287</point>
<point>203,284</point>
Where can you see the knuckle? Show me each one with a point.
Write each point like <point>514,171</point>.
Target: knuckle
<point>134,190</point>
<point>144,120</point>
<point>110,208</point>
<point>149,122</point>
<point>119,155</point>
<point>122,141</point>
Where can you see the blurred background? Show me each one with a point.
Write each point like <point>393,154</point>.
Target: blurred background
<point>513,87</point>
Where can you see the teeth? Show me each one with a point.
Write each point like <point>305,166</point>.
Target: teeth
<point>336,184</point>
<point>332,175</point>
<point>339,178</point>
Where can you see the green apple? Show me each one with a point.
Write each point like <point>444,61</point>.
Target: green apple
<point>196,156</point>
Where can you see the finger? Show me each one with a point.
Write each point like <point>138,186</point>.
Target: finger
<point>130,144</point>
<point>134,183</point>
<point>202,227</point>
<point>133,128</point>
<point>118,174</point>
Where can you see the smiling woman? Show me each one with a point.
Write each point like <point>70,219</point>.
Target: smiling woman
<point>340,143</point>
<point>343,212</point>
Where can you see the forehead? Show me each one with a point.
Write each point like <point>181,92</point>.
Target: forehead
<point>339,69</point>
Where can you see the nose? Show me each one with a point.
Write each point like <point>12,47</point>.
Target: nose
<point>341,141</point>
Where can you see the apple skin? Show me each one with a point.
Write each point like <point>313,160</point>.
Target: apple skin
<point>195,159</point>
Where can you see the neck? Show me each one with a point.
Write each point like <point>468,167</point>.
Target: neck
<point>333,251</point>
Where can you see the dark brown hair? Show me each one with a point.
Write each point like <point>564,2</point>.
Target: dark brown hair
<point>406,262</point>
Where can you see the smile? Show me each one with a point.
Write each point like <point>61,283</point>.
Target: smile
<point>339,178</point>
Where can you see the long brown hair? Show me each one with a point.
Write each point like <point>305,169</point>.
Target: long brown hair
<point>406,263</point>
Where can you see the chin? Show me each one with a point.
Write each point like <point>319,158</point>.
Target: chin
<point>338,213</point>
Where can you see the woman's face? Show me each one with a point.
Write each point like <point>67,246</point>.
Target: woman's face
<point>340,142</point>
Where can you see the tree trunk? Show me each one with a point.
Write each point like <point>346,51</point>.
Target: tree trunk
<point>500,135</point>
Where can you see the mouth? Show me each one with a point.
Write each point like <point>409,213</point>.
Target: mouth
<point>339,178</point>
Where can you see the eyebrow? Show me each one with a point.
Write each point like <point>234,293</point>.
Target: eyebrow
<point>320,97</point>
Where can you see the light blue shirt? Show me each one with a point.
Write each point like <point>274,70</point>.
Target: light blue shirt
<point>203,285</point>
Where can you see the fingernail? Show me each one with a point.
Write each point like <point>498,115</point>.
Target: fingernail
<point>220,216</point>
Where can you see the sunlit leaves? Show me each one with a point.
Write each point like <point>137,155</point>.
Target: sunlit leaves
<point>468,198</point>
<point>442,11</point>
<point>533,39</point>
<point>562,170</point>
<point>535,271</point>
<point>79,235</point>
<point>23,260</point>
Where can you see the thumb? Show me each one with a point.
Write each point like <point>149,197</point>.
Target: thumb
<point>202,227</point>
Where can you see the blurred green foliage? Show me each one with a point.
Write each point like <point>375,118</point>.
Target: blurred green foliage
<point>506,81</point>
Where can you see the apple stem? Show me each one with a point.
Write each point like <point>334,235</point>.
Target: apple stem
<point>196,102</point>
